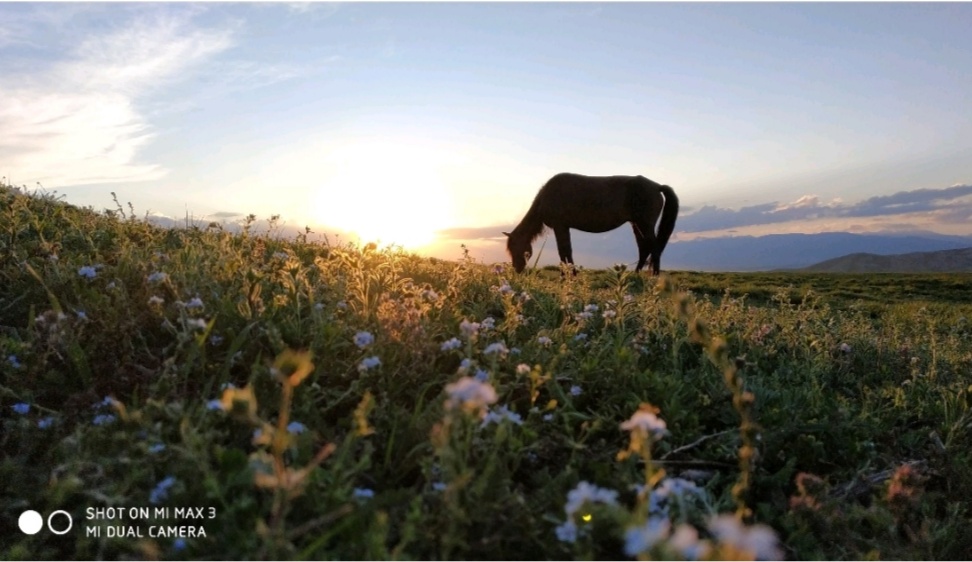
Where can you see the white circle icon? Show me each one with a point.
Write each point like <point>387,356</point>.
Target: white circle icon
<point>69,525</point>
<point>30,522</point>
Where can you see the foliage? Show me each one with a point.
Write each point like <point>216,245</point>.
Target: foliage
<point>342,402</point>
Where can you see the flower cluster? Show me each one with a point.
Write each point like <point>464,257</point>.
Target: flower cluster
<point>470,395</point>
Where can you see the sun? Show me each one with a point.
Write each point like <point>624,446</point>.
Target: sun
<point>391,193</point>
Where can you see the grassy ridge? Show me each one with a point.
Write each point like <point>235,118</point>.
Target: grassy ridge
<point>314,400</point>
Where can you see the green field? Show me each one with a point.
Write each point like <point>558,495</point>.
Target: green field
<point>321,401</point>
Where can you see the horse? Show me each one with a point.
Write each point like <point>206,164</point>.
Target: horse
<point>597,204</point>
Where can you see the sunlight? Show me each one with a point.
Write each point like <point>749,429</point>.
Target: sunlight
<point>385,192</point>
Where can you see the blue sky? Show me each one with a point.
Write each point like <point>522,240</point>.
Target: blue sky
<point>397,121</point>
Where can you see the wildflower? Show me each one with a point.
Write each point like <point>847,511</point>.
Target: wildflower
<point>296,428</point>
<point>104,419</point>
<point>451,344</point>
<point>503,413</point>
<point>591,308</point>
<point>609,314</point>
<point>13,361</point>
<point>226,385</point>
<point>363,493</point>
<point>161,491</point>
<point>580,337</point>
<point>647,422</point>
<point>155,300</point>
<point>342,305</point>
<point>471,395</point>
<point>488,323</point>
<point>469,329</point>
<point>567,532</point>
<point>439,486</point>
<point>586,492</point>
<point>280,255</point>
<point>524,296</point>
<point>481,375</point>
<point>430,295</point>
<point>644,537</point>
<point>214,405</point>
<point>215,339</point>
<point>157,448</point>
<point>319,306</point>
<point>499,348</point>
<point>197,323</point>
<point>758,541</point>
<point>368,363</point>
<point>363,339</point>
<point>106,401</point>
<point>179,545</point>
<point>505,288</point>
<point>514,351</point>
<point>157,277</point>
<point>21,408</point>
<point>464,366</point>
<point>584,316</point>
<point>523,369</point>
<point>548,417</point>
<point>685,541</point>
<point>544,340</point>
<point>677,487</point>
<point>44,423</point>
<point>196,302</point>
<point>87,272</point>
<point>82,315</point>
<point>110,286</point>
<point>575,390</point>
<point>845,348</point>
<point>628,297</point>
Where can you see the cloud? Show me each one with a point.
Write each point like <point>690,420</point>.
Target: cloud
<point>75,119</point>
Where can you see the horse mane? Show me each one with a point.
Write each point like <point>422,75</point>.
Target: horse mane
<point>532,225</point>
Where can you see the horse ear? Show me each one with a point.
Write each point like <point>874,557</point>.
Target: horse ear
<point>507,234</point>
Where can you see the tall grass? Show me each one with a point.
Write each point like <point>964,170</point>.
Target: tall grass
<point>335,401</point>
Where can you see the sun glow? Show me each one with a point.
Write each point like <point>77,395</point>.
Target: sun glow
<point>391,193</point>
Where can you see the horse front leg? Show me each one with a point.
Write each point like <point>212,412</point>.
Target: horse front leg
<point>563,247</point>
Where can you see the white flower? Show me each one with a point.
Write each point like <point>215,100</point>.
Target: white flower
<point>451,344</point>
<point>758,540</point>
<point>498,348</point>
<point>157,277</point>
<point>368,363</point>
<point>644,537</point>
<point>470,394</point>
<point>544,340</point>
<point>88,272</point>
<point>609,314</point>
<point>587,492</point>
<point>584,316</point>
<point>500,414</point>
<point>469,329</point>
<point>196,302</point>
<point>591,308</point>
<point>686,541</point>
<point>341,305</point>
<point>647,422</point>
<point>523,369</point>
<point>580,337</point>
<point>197,323</point>
<point>548,417</point>
<point>363,339</point>
<point>156,300</point>
<point>488,323</point>
<point>505,288</point>
<point>567,532</point>
<point>845,348</point>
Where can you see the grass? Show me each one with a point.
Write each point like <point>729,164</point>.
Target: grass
<point>340,402</point>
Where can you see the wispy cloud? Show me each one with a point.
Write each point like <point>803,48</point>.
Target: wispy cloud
<point>75,118</point>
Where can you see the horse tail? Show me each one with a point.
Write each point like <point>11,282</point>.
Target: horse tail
<point>669,214</point>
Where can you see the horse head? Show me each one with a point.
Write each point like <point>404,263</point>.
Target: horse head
<point>519,249</point>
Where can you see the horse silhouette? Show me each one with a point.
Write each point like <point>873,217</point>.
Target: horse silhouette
<point>597,204</point>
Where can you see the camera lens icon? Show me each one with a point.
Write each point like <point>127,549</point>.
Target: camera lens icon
<point>31,522</point>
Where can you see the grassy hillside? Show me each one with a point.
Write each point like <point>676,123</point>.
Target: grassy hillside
<point>953,261</point>
<point>342,403</point>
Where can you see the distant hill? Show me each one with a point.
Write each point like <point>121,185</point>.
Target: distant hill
<point>795,251</point>
<point>945,261</point>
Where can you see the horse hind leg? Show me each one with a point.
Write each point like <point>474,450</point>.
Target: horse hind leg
<point>644,248</point>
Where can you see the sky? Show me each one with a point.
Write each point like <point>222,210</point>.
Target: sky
<point>434,125</point>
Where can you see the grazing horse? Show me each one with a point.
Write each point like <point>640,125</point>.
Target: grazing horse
<point>597,204</point>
